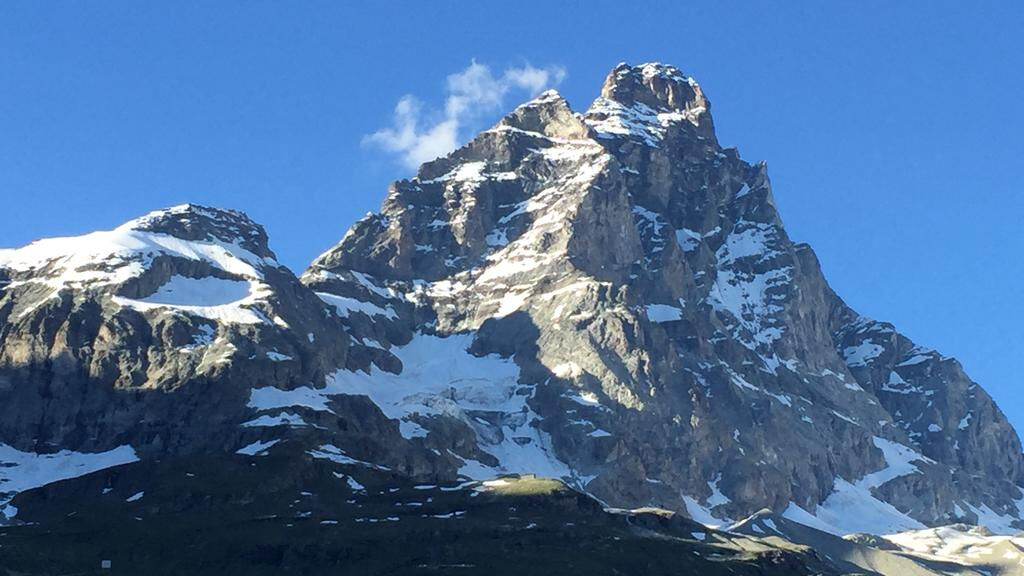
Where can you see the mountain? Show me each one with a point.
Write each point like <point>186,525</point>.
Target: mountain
<point>678,348</point>
<point>606,298</point>
<point>133,336</point>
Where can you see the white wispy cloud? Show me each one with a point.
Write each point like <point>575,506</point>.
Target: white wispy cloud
<point>418,135</point>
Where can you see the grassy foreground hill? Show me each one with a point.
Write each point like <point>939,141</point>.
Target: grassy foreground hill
<point>289,513</point>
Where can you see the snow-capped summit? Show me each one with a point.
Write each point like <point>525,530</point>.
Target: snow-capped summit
<point>168,301</point>
<point>223,239</point>
<point>196,222</point>
<point>549,94</point>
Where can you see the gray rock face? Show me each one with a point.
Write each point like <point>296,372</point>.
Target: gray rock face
<point>607,297</point>
<point>153,334</point>
<point>172,335</point>
<point>678,348</point>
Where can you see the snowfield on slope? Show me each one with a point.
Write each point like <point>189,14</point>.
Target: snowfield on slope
<point>441,378</point>
<point>961,543</point>
<point>218,299</point>
<point>853,508</point>
<point>20,471</point>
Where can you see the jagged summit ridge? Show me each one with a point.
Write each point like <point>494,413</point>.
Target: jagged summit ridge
<point>213,233</point>
<point>647,100</point>
<point>166,259</point>
<point>546,115</point>
<point>658,86</point>
<point>197,222</point>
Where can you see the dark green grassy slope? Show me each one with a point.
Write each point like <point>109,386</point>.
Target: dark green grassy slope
<point>287,513</point>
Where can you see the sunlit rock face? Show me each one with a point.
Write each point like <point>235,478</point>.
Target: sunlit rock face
<point>607,297</point>
<point>674,346</point>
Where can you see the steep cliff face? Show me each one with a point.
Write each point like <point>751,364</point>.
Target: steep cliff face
<point>674,346</point>
<point>609,298</point>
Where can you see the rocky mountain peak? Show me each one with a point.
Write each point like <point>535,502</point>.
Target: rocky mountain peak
<point>194,222</point>
<point>644,282</point>
<point>207,238</point>
<point>548,114</point>
<point>659,86</point>
<point>650,94</point>
<point>172,301</point>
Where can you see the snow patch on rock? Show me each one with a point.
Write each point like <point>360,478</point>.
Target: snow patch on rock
<point>221,300</point>
<point>441,378</point>
<point>851,507</point>
<point>20,471</point>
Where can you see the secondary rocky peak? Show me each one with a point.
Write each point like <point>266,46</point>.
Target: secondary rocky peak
<point>187,301</point>
<point>196,222</point>
<point>548,114</point>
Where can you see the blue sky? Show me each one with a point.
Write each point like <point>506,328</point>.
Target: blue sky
<point>892,131</point>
